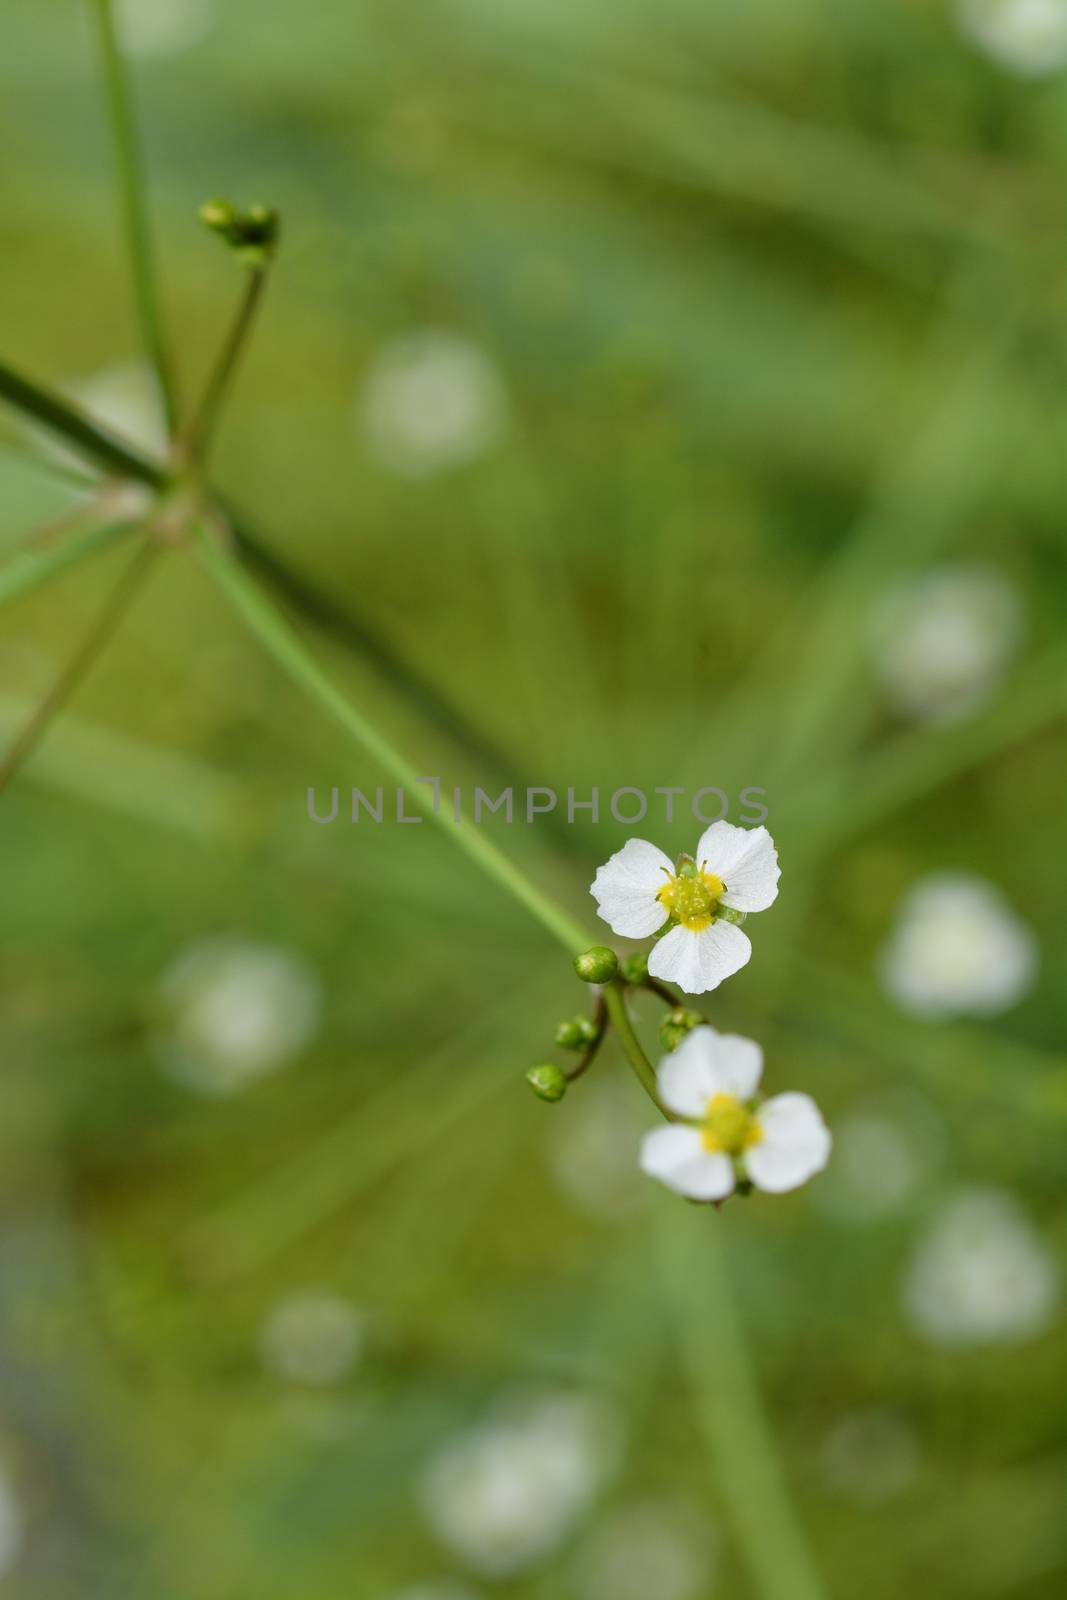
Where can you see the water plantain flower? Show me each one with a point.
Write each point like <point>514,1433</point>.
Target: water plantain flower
<point>696,905</point>
<point>729,1135</point>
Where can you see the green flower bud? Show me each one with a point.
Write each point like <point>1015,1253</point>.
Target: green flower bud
<point>252,234</point>
<point>260,224</point>
<point>598,965</point>
<point>220,216</point>
<point>547,1081</point>
<point>569,1034</point>
<point>574,1033</point>
<point>634,968</point>
<point>676,1024</point>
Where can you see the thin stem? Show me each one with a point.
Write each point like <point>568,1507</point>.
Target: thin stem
<point>47,535</point>
<point>728,1407</point>
<point>115,607</point>
<point>318,605</point>
<point>589,1054</point>
<point>615,1000</point>
<point>134,205</point>
<point>660,990</point>
<point>76,477</point>
<point>30,568</point>
<point>287,650</point>
<point>197,438</point>
<point>59,416</point>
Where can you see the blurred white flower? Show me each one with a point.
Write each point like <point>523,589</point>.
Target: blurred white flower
<point>505,1494</point>
<point>958,949</point>
<point>11,1524</point>
<point>870,1457</point>
<point>162,27</point>
<point>312,1337</point>
<point>981,1274</point>
<point>231,1012</point>
<point>885,1149</point>
<point>432,400</point>
<point>593,1149</point>
<point>735,870</point>
<point>943,640</point>
<point>125,400</point>
<point>1028,37</point>
<point>648,1550</point>
<point>712,1078</point>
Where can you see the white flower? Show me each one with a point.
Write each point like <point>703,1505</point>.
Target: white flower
<point>432,400</point>
<point>162,27</point>
<point>312,1337</point>
<point>944,639</point>
<point>887,1147</point>
<point>735,870</point>
<point>958,949</point>
<point>982,1274</point>
<point>712,1079</point>
<point>648,1550</point>
<point>1026,36</point>
<point>505,1494</point>
<point>231,1012</point>
<point>870,1457</point>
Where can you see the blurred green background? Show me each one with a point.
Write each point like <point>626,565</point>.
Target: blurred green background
<point>747,330</point>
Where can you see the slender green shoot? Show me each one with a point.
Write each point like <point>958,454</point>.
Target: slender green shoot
<point>197,438</point>
<point>116,604</point>
<point>31,568</point>
<point>728,1408</point>
<point>134,206</point>
<point>289,653</point>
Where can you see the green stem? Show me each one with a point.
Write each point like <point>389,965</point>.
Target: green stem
<point>317,604</point>
<point>134,206</point>
<point>60,417</point>
<point>116,604</point>
<point>31,568</point>
<point>589,1054</point>
<point>283,644</point>
<point>78,477</point>
<point>198,436</point>
<point>615,1000</point>
<point>728,1407</point>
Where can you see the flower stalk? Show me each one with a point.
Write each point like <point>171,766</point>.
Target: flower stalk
<point>288,651</point>
<point>31,568</point>
<point>116,605</point>
<point>132,193</point>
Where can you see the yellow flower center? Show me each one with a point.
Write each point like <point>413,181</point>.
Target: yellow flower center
<point>729,1127</point>
<point>692,898</point>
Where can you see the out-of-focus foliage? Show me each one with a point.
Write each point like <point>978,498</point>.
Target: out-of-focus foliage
<point>751,317</point>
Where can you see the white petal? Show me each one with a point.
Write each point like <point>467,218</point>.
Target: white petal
<point>738,1065</point>
<point>746,861</point>
<point>677,1157</point>
<point>795,1145</point>
<point>708,1063</point>
<point>626,886</point>
<point>697,962</point>
<point>686,1080</point>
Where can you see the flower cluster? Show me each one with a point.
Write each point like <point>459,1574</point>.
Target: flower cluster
<point>721,1135</point>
